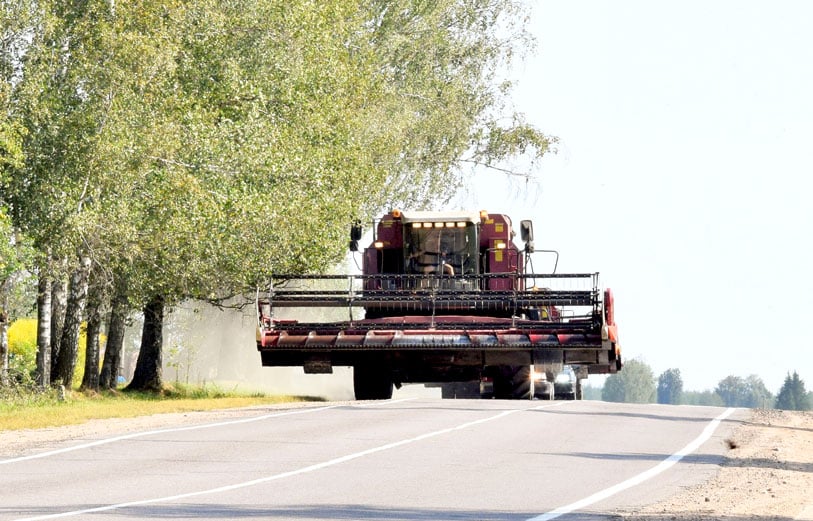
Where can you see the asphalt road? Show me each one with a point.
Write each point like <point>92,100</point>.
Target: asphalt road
<point>414,459</point>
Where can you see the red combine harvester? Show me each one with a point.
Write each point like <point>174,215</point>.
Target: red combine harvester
<point>449,300</point>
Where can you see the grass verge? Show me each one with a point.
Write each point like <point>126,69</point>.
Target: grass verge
<point>36,410</point>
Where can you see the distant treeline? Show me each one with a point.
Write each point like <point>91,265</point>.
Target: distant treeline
<point>636,383</point>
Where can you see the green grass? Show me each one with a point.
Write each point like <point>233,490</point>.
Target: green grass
<point>33,410</point>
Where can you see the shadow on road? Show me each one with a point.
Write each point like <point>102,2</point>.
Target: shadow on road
<point>364,512</point>
<point>700,459</point>
<point>626,414</point>
<point>329,511</point>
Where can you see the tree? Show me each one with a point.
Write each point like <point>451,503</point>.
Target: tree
<point>793,396</point>
<point>172,143</point>
<point>759,397</point>
<point>69,343</point>
<point>709,398</point>
<point>116,325</point>
<point>750,392</point>
<point>295,116</point>
<point>670,387</point>
<point>635,384</point>
<point>732,390</point>
<point>14,256</point>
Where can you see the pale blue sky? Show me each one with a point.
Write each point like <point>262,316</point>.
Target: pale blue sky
<point>683,175</point>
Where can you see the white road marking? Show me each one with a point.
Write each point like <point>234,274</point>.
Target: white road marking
<point>640,478</point>
<point>283,475</point>
<point>162,431</point>
<point>188,428</point>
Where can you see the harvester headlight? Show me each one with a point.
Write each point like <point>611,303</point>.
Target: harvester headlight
<point>438,225</point>
<point>538,376</point>
<point>396,213</point>
<point>449,225</point>
<point>562,378</point>
<point>378,245</point>
<point>461,224</point>
<point>501,245</point>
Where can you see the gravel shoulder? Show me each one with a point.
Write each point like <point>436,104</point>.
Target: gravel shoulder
<point>767,473</point>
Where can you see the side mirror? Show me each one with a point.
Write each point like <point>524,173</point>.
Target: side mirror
<point>355,236</point>
<point>355,231</point>
<point>526,232</point>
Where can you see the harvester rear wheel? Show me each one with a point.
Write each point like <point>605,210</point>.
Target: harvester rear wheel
<point>521,383</point>
<point>371,382</point>
<point>513,382</point>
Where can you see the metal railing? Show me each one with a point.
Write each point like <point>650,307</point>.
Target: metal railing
<point>571,295</point>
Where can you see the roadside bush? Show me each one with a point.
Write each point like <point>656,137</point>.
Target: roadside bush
<point>22,347</point>
<point>22,343</point>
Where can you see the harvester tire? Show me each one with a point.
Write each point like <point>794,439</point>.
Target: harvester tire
<point>521,383</point>
<point>370,382</point>
<point>512,382</point>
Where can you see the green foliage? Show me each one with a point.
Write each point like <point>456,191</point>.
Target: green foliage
<point>748,392</point>
<point>192,148</point>
<point>23,393</point>
<point>190,134</point>
<point>22,336</point>
<point>670,387</point>
<point>22,340</point>
<point>709,398</point>
<point>16,254</point>
<point>793,396</point>
<point>591,393</point>
<point>635,383</point>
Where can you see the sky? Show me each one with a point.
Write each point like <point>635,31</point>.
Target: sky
<point>683,175</point>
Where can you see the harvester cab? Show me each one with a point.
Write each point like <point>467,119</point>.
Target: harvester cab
<point>447,298</point>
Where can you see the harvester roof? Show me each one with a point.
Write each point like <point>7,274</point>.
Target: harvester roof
<point>422,216</point>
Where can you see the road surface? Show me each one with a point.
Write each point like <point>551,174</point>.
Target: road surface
<point>413,459</point>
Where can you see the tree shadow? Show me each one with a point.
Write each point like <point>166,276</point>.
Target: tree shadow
<point>369,513</point>
<point>642,415</point>
<point>327,511</point>
<point>699,459</point>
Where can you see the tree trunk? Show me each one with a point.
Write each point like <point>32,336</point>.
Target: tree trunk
<point>44,331</point>
<point>69,343</point>
<point>90,378</point>
<point>59,304</point>
<point>115,340</point>
<point>148,373</point>
<point>3,347</point>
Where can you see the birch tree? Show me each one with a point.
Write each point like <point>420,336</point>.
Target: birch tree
<point>191,148</point>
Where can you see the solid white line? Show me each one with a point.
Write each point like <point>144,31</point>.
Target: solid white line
<point>163,431</point>
<point>188,428</point>
<point>640,478</point>
<point>283,475</point>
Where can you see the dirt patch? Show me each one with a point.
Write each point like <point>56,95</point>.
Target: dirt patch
<point>767,475</point>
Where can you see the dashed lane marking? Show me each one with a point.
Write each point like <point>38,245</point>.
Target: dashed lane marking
<point>283,475</point>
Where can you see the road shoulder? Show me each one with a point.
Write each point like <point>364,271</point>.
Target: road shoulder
<point>767,474</point>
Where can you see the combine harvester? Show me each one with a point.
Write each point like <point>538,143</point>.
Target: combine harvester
<point>449,300</point>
